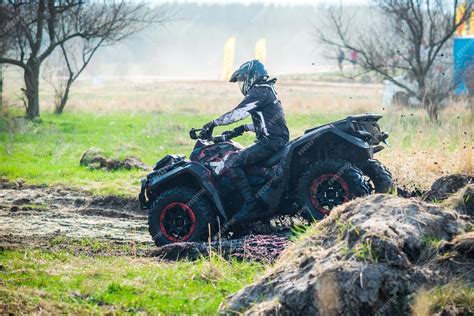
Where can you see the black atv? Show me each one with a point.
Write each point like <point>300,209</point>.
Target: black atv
<point>325,167</point>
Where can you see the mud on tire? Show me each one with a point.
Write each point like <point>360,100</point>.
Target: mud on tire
<point>327,184</point>
<point>379,175</point>
<point>178,215</point>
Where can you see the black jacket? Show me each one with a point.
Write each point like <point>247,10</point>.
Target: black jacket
<point>268,118</point>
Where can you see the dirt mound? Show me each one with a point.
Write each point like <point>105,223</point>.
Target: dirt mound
<point>94,158</point>
<point>252,247</point>
<point>367,258</point>
<point>443,187</point>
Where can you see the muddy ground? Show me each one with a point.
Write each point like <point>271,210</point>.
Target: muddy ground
<point>55,218</point>
<point>52,217</point>
<point>58,218</point>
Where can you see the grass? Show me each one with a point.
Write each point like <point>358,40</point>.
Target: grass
<point>455,298</point>
<point>34,281</point>
<point>48,151</point>
<point>149,121</point>
<point>430,241</point>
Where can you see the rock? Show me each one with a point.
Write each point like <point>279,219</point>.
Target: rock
<point>94,158</point>
<point>447,185</point>
<point>367,258</point>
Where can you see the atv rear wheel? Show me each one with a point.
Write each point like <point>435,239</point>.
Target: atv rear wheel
<point>380,177</point>
<point>327,184</point>
<point>178,215</point>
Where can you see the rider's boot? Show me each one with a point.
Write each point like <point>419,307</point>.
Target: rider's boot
<point>247,210</point>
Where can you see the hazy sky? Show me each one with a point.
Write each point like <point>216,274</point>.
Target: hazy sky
<point>270,2</point>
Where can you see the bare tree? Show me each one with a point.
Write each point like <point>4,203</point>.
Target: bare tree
<point>406,37</point>
<point>42,26</point>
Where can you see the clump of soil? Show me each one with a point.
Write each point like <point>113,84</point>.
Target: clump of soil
<point>94,158</point>
<point>367,258</point>
<point>443,187</point>
<point>462,201</point>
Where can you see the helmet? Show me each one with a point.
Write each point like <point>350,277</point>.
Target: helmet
<point>249,74</point>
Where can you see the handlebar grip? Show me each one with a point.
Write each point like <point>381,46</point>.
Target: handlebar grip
<point>193,133</point>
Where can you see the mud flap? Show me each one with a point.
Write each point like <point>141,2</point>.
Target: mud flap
<point>144,204</point>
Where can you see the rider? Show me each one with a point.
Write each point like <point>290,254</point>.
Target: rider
<point>261,102</point>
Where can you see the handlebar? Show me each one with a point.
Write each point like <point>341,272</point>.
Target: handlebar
<point>193,134</point>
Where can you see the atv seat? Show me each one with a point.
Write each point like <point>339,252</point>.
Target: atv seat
<point>273,160</point>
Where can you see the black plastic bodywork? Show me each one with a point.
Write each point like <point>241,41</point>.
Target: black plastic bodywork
<point>353,139</point>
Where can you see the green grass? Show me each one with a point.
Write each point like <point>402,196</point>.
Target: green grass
<point>47,151</point>
<point>61,282</point>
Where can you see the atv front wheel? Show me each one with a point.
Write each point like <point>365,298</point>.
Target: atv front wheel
<point>379,176</point>
<point>327,184</point>
<point>178,215</point>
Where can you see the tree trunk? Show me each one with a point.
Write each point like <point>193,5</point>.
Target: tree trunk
<point>60,108</point>
<point>31,77</point>
<point>1,82</point>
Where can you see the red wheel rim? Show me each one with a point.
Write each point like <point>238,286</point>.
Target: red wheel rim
<point>328,190</point>
<point>177,222</point>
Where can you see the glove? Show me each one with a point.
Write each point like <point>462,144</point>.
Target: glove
<point>228,135</point>
<point>239,130</point>
<point>206,131</point>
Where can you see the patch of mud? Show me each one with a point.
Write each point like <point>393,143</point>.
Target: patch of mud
<point>367,258</point>
<point>55,218</point>
<point>265,248</point>
<point>33,216</point>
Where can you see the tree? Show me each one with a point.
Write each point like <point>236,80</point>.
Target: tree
<point>67,65</point>
<point>404,41</point>
<point>38,28</point>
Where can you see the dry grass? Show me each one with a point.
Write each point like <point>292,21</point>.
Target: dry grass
<point>456,298</point>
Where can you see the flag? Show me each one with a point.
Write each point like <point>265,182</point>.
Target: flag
<point>261,50</point>
<point>228,62</point>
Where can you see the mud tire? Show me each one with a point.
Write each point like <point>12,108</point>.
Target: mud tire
<point>380,176</point>
<point>199,213</point>
<point>351,178</point>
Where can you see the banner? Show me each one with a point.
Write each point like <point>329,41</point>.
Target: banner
<point>261,50</point>
<point>228,62</point>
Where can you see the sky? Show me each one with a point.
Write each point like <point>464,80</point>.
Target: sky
<point>268,2</point>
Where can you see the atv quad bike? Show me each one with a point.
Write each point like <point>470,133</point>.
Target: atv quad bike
<point>325,167</point>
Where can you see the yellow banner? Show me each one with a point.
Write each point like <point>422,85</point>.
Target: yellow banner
<point>228,62</point>
<point>459,14</point>
<point>261,50</point>
<point>471,24</point>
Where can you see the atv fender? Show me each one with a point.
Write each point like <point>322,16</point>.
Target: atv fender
<point>201,176</point>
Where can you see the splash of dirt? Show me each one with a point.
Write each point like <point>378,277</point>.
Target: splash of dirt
<point>264,248</point>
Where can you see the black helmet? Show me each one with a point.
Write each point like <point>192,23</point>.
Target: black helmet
<point>249,74</point>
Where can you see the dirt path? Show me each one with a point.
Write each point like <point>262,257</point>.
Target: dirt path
<point>34,215</point>
<point>64,219</point>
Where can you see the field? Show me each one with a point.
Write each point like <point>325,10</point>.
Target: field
<point>149,120</point>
